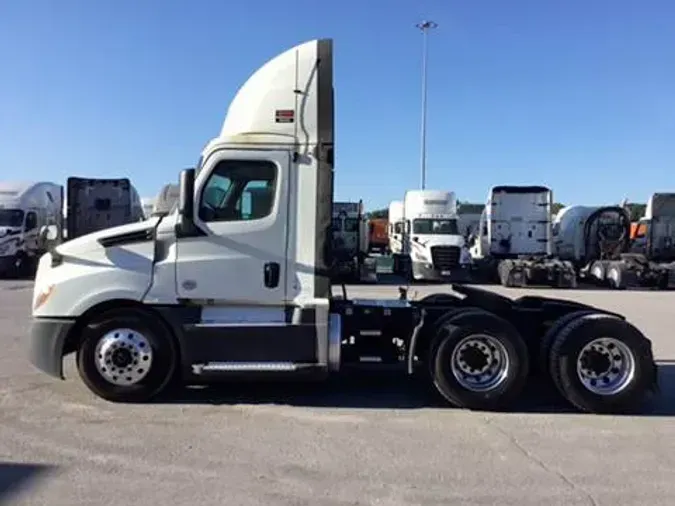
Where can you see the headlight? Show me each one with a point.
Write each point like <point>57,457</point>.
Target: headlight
<point>419,256</point>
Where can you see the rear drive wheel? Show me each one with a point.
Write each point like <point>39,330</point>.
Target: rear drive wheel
<point>126,355</point>
<point>550,335</point>
<point>602,364</point>
<point>477,360</point>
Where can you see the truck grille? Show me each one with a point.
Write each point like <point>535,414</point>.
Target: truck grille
<point>445,257</point>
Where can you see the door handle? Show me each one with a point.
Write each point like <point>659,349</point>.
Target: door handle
<point>271,271</point>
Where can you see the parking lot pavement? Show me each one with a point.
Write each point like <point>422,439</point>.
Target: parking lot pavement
<point>374,440</point>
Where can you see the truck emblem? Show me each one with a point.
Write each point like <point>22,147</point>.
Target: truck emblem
<point>189,284</point>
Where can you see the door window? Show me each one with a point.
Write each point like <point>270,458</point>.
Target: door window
<point>239,190</point>
<point>31,221</point>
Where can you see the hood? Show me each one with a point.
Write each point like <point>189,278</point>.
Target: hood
<point>90,242</point>
<point>427,241</point>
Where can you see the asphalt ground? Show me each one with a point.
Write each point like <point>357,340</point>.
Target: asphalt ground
<point>362,441</point>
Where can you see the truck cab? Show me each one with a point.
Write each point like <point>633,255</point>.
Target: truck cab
<point>436,247</point>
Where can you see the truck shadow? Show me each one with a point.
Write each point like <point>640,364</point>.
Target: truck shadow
<point>393,391</point>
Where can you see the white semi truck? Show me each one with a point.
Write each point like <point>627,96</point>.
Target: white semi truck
<point>436,249</point>
<point>204,294</point>
<point>25,208</point>
<point>350,244</point>
<point>515,240</point>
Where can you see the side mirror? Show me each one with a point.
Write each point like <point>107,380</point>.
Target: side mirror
<point>186,194</point>
<point>186,218</point>
<point>49,233</point>
<point>416,239</point>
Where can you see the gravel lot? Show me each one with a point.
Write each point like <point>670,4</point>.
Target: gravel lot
<point>332,444</point>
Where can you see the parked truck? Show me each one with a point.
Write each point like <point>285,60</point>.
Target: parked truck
<point>378,238</point>
<point>25,208</point>
<point>350,244</point>
<point>514,243</point>
<point>165,200</point>
<point>94,204</point>
<point>437,250</point>
<point>598,241</point>
<point>201,295</point>
<point>396,234</point>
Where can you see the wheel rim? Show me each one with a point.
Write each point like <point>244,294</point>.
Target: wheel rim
<point>123,357</point>
<point>605,366</point>
<point>479,362</point>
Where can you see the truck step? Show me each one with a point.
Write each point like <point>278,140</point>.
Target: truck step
<point>253,367</point>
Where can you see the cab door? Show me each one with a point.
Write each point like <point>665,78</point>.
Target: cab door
<point>241,205</point>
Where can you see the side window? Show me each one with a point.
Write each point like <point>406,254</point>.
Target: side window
<point>239,190</point>
<point>31,221</point>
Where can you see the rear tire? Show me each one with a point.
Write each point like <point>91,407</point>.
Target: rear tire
<point>127,355</point>
<point>602,364</point>
<point>550,335</point>
<point>478,360</point>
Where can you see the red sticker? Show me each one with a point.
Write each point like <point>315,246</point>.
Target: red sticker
<point>285,116</point>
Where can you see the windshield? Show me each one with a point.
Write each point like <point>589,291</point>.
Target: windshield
<point>351,225</point>
<point>11,217</point>
<point>433,227</point>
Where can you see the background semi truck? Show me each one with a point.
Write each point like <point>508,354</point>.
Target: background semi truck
<point>351,244</point>
<point>432,239</point>
<point>25,208</point>
<point>89,205</point>
<point>514,243</point>
<point>207,293</point>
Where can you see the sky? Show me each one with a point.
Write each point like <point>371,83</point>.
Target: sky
<point>578,95</point>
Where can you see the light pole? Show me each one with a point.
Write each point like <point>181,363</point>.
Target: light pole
<point>425,26</point>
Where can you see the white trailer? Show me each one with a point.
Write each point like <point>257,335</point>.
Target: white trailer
<point>351,244</point>
<point>203,294</point>
<point>432,242</point>
<point>26,207</point>
<point>515,239</point>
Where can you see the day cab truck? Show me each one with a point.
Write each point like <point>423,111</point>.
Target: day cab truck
<point>204,293</point>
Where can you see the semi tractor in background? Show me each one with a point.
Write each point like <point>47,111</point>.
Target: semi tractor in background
<point>396,233</point>
<point>165,200</point>
<point>378,238</point>
<point>350,244</point>
<point>436,249</point>
<point>25,208</point>
<point>597,239</point>
<point>206,294</point>
<point>514,242</point>
<point>85,205</point>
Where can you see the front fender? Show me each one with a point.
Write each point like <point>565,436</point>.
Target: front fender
<point>78,284</point>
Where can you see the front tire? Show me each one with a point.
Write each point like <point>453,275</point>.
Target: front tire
<point>478,360</point>
<point>126,355</point>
